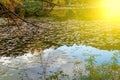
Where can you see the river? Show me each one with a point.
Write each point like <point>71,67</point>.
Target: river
<point>30,65</point>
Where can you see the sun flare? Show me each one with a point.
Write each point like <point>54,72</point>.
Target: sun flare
<point>111,9</point>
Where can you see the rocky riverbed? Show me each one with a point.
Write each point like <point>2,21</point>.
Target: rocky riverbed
<point>16,40</point>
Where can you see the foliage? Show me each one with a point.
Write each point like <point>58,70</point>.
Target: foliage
<point>57,76</point>
<point>11,8</point>
<point>32,7</point>
<point>106,71</point>
<point>11,4</point>
<point>29,7</point>
<point>37,7</point>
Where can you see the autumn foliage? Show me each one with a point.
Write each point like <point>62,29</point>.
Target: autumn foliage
<point>13,5</point>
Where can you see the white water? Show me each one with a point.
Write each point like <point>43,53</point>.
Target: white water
<point>62,58</point>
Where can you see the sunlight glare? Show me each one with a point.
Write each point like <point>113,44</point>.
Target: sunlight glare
<point>111,9</point>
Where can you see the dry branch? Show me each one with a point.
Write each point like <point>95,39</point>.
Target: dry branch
<point>19,38</point>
